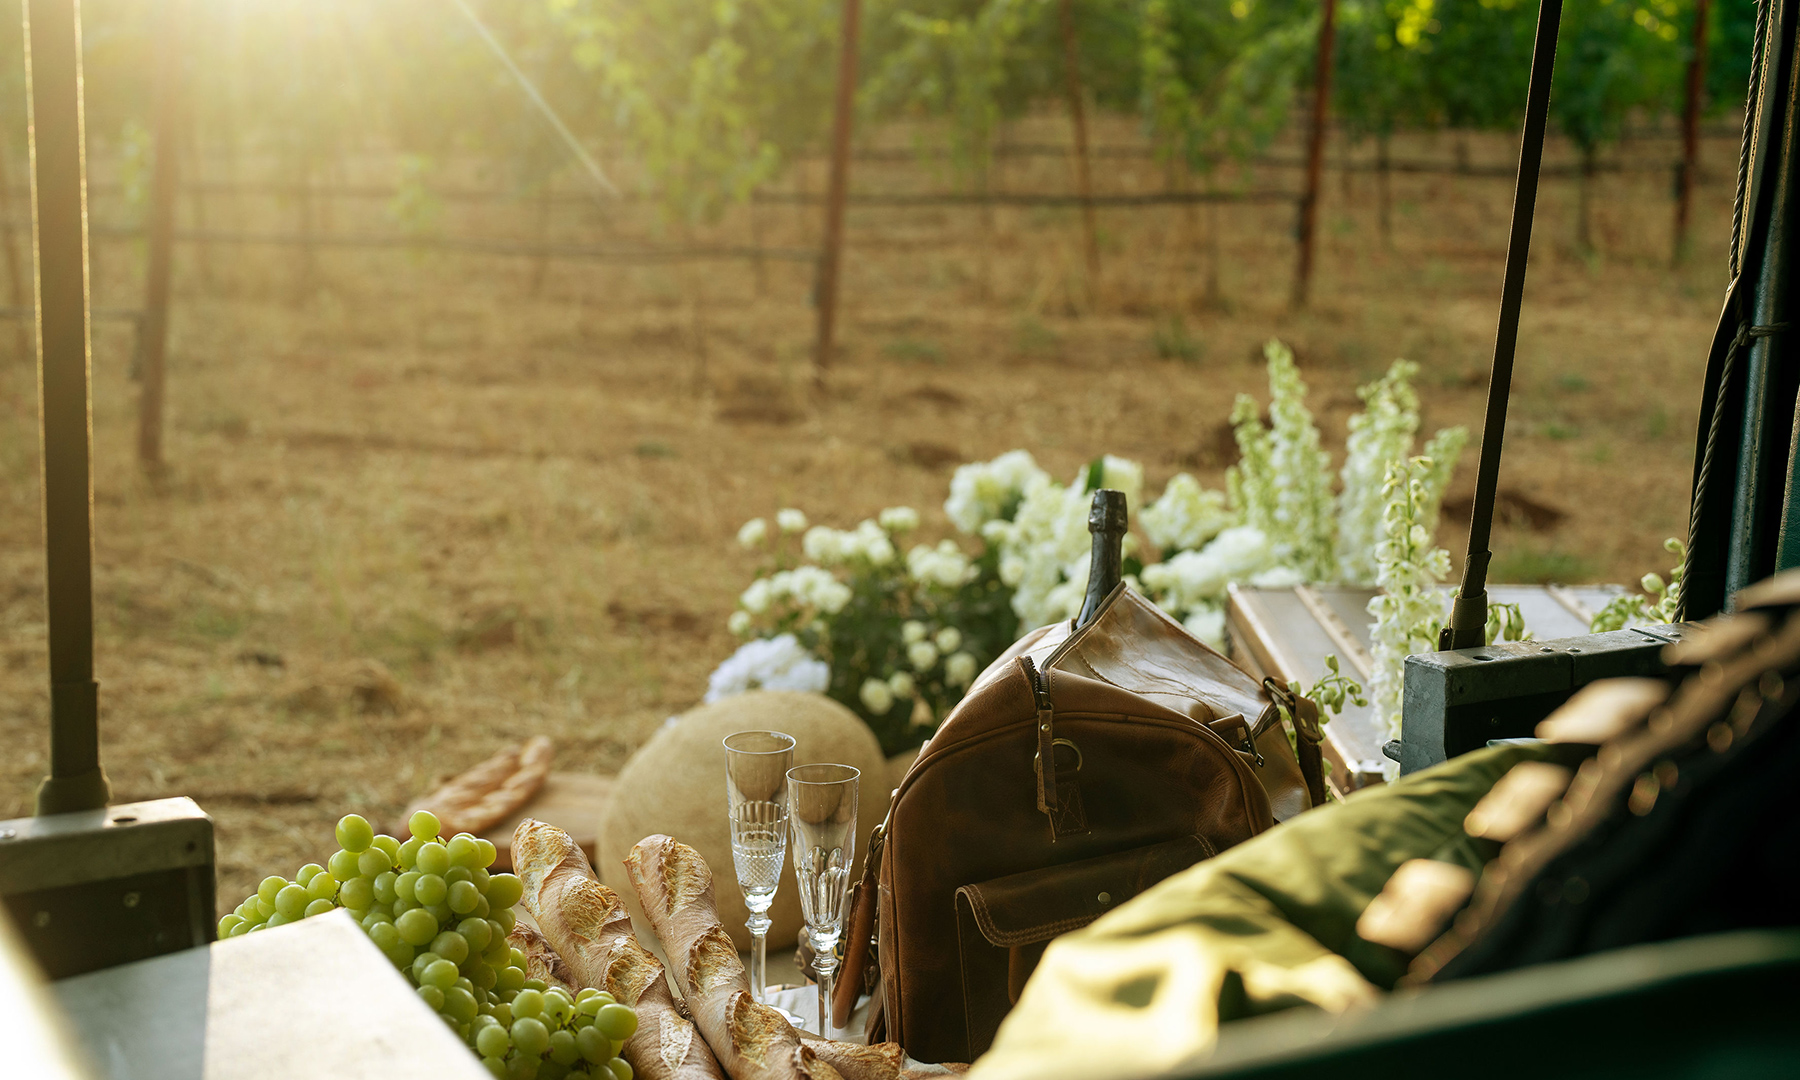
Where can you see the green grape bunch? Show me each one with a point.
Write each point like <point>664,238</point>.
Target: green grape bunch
<point>433,908</point>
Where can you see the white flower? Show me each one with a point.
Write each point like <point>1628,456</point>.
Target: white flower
<point>790,520</point>
<point>1124,475</point>
<point>899,519</point>
<point>1282,481</point>
<point>752,532</point>
<point>778,663</point>
<point>901,684</point>
<point>1207,624</point>
<point>959,669</point>
<point>1186,516</point>
<point>912,630</point>
<point>949,639</point>
<point>922,655</point>
<point>756,598</point>
<point>983,491</point>
<point>944,566</point>
<point>821,545</point>
<point>876,696</point>
<point>739,623</point>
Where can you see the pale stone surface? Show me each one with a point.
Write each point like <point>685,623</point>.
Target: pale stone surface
<point>675,784</point>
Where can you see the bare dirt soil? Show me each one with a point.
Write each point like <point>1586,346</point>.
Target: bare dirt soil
<point>421,504</point>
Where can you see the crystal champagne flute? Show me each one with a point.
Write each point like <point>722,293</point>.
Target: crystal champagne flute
<point>756,788</point>
<point>822,819</point>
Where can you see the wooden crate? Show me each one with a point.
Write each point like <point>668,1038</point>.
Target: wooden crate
<point>1287,633</point>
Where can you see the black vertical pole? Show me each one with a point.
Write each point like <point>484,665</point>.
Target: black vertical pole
<point>59,232</point>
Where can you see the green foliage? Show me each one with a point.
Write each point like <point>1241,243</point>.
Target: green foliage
<point>1661,602</point>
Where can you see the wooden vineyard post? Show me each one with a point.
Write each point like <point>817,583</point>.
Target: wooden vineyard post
<point>15,274</point>
<point>831,256</point>
<point>1084,186</point>
<point>1315,154</point>
<point>155,328</point>
<point>1690,133</point>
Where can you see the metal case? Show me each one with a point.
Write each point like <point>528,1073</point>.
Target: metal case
<point>96,888</point>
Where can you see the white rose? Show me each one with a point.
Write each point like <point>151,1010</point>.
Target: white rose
<point>922,655</point>
<point>949,639</point>
<point>752,532</point>
<point>876,696</point>
<point>739,623</point>
<point>901,684</point>
<point>790,520</point>
<point>959,669</point>
<point>912,631</point>
<point>899,519</point>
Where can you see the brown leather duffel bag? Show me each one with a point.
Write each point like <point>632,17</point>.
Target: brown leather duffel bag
<point>1161,753</point>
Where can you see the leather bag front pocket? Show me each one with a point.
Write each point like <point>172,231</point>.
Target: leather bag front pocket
<point>1004,925</point>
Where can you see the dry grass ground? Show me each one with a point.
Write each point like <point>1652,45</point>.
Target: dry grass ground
<point>421,505</point>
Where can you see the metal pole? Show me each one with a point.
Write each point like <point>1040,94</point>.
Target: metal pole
<point>1468,618</point>
<point>1084,184</point>
<point>1315,153</point>
<point>1690,132</point>
<point>831,257</point>
<point>162,231</point>
<point>59,229</point>
<point>15,274</point>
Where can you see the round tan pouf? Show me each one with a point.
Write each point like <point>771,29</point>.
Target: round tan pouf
<point>675,784</point>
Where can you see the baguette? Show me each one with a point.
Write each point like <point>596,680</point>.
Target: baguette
<point>541,961</point>
<point>492,791</point>
<point>752,1040</point>
<point>586,924</point>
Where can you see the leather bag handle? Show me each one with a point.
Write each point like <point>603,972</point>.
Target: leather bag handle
<point>1303,713</point>
<point>859,933</point>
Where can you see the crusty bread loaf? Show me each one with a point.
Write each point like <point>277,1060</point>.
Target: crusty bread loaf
<point>492,791</point>
<point>541,961</point>
<point>752,1041</point>
<point>587,925</point>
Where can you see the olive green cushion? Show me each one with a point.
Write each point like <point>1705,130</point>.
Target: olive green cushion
<point>1267,925</point>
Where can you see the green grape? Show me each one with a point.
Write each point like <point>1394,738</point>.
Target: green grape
<point>463,984</point>
<point>230,923</point>
<point>422,961</point>
<point>483,909</point>
<point>389,845</point>
<point>464,851</point>
<point>528,1003</point>
<point>433,858</point>
<point>401,904</point>
<point>463,898</point>
<point>535,984</point>
<point>372,862</point>
<point>430,889</point>
<point>452,946</point>
<point>458,873</point>
<point>270,887</point>
<point>498,953</point>
<point>317,907</point>
<point>460,1004</point>
<point>621,1069</point>
<point>480,877</point>
<point>584,993</point>
<point>550,1070</point>
<point>263,908</point>
<point>562,1048</point>
<point>354,833</point>
<point>438,973</point>
<point>423,825</point>
<point>384,935</point>
<point>503,1016</point>
<point>510,978</point>
<point>523,1067</point>
<point>504,890</point>
<point>384,886</point>
<point>306,873</point>
<point>416,926</point>
<point>516,957</point>
<point>409,853</point>
<point>356,893</point>
<point>376,917</point>
<point>482,974</point>
<point>496,1067</point>
<point>493,1041</point>
<point>323,887</point>
<point>406,884</point>
<point>290,902</point>
<point>342,865</point>
<point>594,1046</point>
<point>617,1022</point>
<point>441,912</point>
<point>244,928</point>
<point>401,954</point>
<point>530,1036</point>
<point>433,997</point>
<point>504,919</point>
<point>557,1006</point>
<point>477,933</point>
<point>488,852</point>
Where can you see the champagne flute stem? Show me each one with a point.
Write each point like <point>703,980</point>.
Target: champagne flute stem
<point>759,960</point>
<point>826,966</point>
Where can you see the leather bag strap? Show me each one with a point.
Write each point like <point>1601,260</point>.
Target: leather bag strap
<point>1058,783</point>
<point>860,932</point>
<point>1303,713</point>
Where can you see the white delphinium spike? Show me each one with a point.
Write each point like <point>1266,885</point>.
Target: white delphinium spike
<point>1282,482</point>
<point>1383,432</point>
<point>1185,516</point>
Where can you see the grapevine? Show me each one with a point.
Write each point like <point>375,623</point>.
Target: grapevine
<point>436,912</point>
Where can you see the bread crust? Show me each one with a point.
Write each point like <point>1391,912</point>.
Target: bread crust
<point>485,796</point>
<point>587,925</point>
